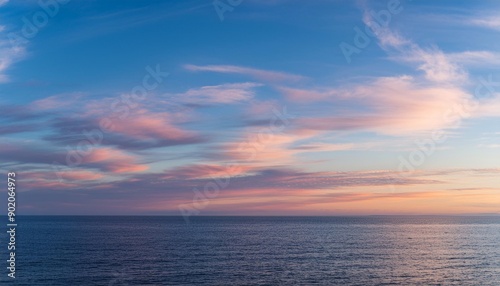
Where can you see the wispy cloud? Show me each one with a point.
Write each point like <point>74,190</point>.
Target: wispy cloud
<point>225,125</point>
<point>482,58</point>
<point>9,53</point>
<point>59,101</point>
<point>113,160</point>
<point>69,175</point>
<point>263,75</point>
<point>259,149</point>
<point>219,94</point>
<point>141,129</point>
<point>489,107</point>
<point>436,65</point>
<point>492,22</point>
<point>393,105</point>
<point>400,105</point>
<point>311,95</point>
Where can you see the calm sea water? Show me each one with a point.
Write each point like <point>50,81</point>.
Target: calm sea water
<point>256,251</point>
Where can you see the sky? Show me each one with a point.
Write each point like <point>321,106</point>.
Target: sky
<point>251,107</point>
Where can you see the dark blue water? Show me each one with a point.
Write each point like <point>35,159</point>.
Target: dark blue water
<point>256,251</point>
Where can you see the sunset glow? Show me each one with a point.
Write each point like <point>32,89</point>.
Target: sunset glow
<point>277,108</point>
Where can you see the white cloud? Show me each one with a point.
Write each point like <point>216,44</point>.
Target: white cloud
<point>223,94</point>
<point>476,58</point>
<point>492,22</point>
<point>263,75</point>
<point>437,66</point>
<point>10,51</point>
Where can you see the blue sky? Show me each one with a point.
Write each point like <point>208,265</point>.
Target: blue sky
<point>264,95</point>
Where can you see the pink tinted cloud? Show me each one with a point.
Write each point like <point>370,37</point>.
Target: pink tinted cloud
<point>278,201</point>
<point>264,147</point>
<point>206,171</point>
<point>144,124</point>
<point>113,160</point>
<point>402,105</point>
<point>303,95</point>
<point>76,175</point>
<point>71,175</point>
<point>489,107</point>
<point>394,106</point>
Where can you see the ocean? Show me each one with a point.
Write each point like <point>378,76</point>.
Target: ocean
<point>140,250</point>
